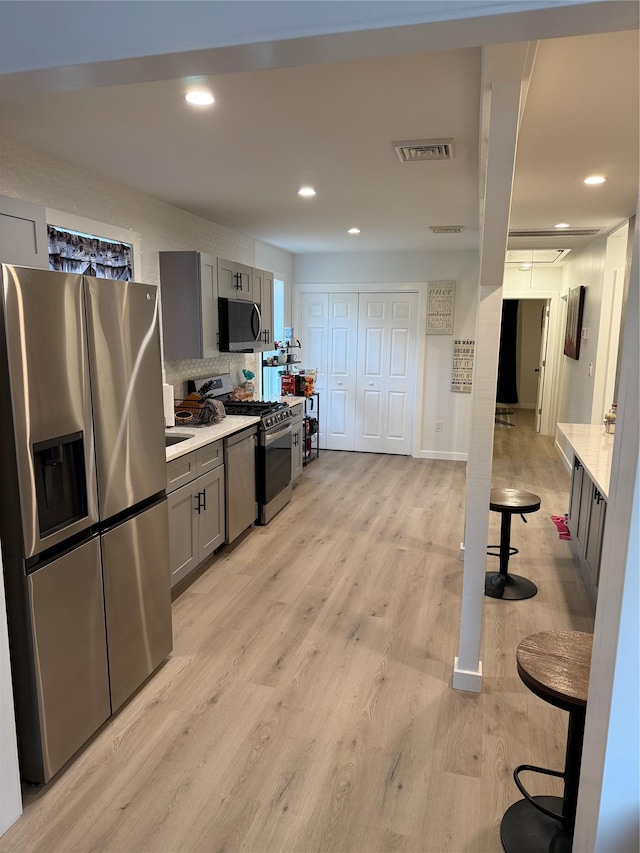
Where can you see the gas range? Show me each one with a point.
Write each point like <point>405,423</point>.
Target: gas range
<point>271,414</point>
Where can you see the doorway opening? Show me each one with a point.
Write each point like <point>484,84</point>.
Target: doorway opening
<point>522,364</point>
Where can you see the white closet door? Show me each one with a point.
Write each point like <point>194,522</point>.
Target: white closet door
<point>340,397</point>
<point>386,372</point>
<point>314,313</point>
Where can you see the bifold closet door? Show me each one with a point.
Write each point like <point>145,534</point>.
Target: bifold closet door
<point>342,353</point>
<point>386,371</point>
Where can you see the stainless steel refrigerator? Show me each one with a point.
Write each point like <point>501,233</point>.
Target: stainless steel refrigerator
<point>83,514</point>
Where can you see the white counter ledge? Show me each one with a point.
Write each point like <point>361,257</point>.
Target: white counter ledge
<point>202,435</point>
<point>594,448</point>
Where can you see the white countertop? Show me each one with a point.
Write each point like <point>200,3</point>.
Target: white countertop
<point>594,448</point>
<point>200,436</point>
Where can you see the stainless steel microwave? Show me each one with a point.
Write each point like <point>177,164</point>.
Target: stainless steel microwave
<point>240,325</point>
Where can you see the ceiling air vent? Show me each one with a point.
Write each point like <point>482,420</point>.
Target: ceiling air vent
<point>446,229</point>
<point>419,150</point>
<point>556,233</point>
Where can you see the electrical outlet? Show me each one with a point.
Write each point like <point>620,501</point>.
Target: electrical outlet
<point>438,426</point>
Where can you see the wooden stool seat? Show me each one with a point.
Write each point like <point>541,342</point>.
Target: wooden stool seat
<point>502,584</point>
<point>555,666</point>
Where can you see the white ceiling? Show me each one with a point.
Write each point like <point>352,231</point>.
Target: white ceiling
<point>241,162</point>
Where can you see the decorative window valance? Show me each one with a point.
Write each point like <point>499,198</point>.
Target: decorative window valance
<point>86,254</point>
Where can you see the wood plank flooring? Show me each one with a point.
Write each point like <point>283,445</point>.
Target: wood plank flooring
<point>307,703</point>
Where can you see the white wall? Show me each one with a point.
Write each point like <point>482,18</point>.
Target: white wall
<point>34,176</point>
<point>435,400</point>
<point>577,386</point>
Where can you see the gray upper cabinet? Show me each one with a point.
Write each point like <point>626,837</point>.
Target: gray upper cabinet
<point>23,233</point>
<point>235,281</point>
<point>188,285</point>
<point>263,295</point>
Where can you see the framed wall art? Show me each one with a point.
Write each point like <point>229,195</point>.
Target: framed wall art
<point>441,297</point>
<point>573,331</point>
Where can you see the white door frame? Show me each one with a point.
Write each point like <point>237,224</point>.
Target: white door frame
<point>419,287</point>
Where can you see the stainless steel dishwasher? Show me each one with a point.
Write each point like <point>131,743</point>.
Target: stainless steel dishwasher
<point>240,482</point>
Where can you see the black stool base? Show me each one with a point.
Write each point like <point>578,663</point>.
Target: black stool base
<point>526,830</point>
<point>511,587</point>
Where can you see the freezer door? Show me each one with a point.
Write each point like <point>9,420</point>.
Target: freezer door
<point>135,559</point>
<point>44,367</point>
<point>66,609</point>
<point>126,387</point>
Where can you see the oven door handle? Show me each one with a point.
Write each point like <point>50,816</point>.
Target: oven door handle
<point>270,437</point>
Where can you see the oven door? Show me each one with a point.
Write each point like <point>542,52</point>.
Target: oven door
<point>275,462</point>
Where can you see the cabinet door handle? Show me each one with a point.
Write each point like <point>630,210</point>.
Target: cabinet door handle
<point>198,506</point>
<point>238,278</point>
<point>204,500</point>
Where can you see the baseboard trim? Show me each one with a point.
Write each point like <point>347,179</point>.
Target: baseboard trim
<point>444,455</point>
<point>465,679</point>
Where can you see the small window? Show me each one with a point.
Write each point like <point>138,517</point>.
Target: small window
<point>87,254</point>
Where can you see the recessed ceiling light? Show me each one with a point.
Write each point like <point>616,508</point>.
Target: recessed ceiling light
<point>595,179</point>
<point>526,267</point>
<point>562,225</point>
<point>353,231</point>
<point>306,192</point>
<point>199,98</point>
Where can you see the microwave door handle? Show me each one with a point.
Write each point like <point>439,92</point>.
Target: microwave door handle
<point>259,332</point>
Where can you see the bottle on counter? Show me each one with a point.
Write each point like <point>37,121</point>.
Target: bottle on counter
<point>610,419</point>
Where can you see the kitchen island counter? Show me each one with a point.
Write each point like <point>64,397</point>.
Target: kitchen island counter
<point>200,436</point>
<point>594,448</point>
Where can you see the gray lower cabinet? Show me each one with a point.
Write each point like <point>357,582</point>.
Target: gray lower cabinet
<point>297,443</point>
<point>586,519</point>
<point>196,509</point>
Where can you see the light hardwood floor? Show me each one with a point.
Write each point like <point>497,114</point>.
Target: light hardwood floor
<point>307,704</point>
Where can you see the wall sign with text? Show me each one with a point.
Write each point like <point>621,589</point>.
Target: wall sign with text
<point>462,370</point>
<point>441,297</point>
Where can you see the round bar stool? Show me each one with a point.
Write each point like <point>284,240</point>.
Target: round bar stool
<point>509,502</point>
<point>555,666</point>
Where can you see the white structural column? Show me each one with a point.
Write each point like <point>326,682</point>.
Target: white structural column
<point>506,69</point>
<point>607,818</point>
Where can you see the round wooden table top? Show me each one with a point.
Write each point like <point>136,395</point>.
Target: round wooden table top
<point>513,500</point>
<point>555,666</point>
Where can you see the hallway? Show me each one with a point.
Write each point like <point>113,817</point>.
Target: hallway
<point>307,707</point>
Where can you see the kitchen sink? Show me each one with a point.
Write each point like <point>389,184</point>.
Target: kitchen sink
<point>173,438</point>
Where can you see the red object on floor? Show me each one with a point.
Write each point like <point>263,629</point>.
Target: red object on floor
<point>560,522</point>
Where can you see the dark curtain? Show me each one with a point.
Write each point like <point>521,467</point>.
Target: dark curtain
<point>507,381</point>
<point>69,252</point>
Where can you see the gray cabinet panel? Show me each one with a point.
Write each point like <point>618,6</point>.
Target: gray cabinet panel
<point>263,295</point>
<point>212,515</point>
<point>209,457</point>
<point>183,532</point>
<point>297,444</point>
<point>197,511</point>
<point>23,233</point>
<point>235,281</point>
<point>188,286</point>
<point>181,471</point>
